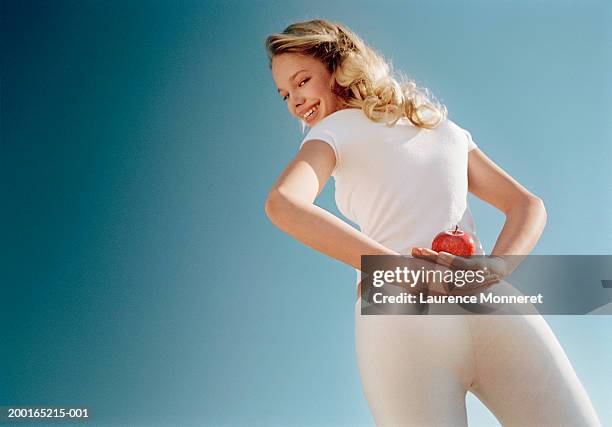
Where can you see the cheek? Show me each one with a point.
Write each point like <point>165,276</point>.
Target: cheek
<point>324,90</point>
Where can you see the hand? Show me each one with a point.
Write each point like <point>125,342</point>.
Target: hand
<point>493,267</point>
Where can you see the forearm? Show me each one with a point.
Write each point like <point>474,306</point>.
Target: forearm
<point>322,231</point>
<point>521,231</point>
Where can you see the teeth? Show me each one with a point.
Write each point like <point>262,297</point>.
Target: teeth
<point>310,112</point>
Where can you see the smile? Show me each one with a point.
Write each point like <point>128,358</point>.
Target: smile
<point>310,113</point>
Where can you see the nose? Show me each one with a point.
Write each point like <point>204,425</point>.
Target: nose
<point>297,101</point>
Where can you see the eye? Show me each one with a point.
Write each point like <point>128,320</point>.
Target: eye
<point>300,85</point>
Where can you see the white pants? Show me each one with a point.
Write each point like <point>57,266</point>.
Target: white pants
<point>416,370</point>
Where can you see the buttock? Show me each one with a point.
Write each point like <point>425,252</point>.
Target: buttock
<point>426,342</point>
<point>419,367</point>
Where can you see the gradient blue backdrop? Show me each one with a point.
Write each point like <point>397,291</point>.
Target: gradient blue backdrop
<point>141,277</point>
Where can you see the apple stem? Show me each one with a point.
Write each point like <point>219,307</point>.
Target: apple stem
<point>456,228</point>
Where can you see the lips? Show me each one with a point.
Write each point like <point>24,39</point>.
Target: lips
<point>312,115</point>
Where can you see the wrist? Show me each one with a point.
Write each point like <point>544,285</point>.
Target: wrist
<point>500,265</point>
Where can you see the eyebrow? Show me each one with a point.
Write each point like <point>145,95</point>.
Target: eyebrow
<point>292,77</point>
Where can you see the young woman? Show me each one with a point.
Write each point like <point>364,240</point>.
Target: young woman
<point>402,171</point>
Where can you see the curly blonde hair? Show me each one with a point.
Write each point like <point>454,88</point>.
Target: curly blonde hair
<point>362,77</point>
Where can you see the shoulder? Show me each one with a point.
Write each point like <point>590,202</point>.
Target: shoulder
<point>350,116</point>
<point>448,125</point>
<point>338,125</point>
<point>459,133</point>
<point>336,130</point>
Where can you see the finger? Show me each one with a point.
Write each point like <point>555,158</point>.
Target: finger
<point>440,289</point>
<point>424,253</point>
<point>483,282</point>
<point>461,263</point>
<point>446,259</point>
<point>428,251</point>
<point>494,279</point>
<point>489,280</point>
<point>418,251</point>
<point>477,287</point>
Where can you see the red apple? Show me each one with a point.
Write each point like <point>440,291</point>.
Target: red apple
<point>456,242</point>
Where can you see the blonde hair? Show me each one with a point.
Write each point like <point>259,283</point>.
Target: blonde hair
<point>362,77</point>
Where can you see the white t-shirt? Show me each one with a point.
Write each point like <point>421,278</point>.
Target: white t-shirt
<point>401,185</point>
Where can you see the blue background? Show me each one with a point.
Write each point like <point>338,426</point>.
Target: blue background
<point>141,277</point>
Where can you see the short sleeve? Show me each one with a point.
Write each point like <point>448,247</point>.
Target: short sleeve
<point>470,141</point>
<point>327,136</point>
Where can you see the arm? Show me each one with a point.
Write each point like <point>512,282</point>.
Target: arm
<point>290,206</point>
<point>525,213</point>
<point>525,220</point>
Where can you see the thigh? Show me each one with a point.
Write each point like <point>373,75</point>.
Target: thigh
<point>414,369</point>
<point>524,376</point>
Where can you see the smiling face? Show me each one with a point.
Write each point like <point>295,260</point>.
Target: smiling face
<point>305,85</point>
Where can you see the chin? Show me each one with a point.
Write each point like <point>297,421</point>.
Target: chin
<point>305,125</point>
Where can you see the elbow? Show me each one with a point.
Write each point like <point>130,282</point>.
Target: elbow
<point>284,211</point>
<point>274,206</point>
<point>535,204</point>
<point>529,203</point>
<point>539,203</point>
<point>269,207</point>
